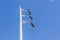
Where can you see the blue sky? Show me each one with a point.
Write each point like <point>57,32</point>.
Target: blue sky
<point>46,15</point>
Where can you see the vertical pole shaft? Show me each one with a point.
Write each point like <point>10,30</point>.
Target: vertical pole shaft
<point>21,35</point>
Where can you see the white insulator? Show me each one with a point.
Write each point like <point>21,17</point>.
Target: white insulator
<point>27,21</point>
<point>24,21</point>
<point>24,15</point>
<point>23,9</point>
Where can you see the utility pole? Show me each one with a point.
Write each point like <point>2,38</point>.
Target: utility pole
<point>21,21</point>
<point>21,35</point>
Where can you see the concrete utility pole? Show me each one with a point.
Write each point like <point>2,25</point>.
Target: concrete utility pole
<point>21,21</point>
<point>21,35</point>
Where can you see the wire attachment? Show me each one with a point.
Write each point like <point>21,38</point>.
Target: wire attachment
<point>29,15</point>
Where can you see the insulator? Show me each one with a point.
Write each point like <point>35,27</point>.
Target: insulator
<point>32,25</point>
<point>27,21</point>
<point>31,17</point>
<point>28,11</point>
